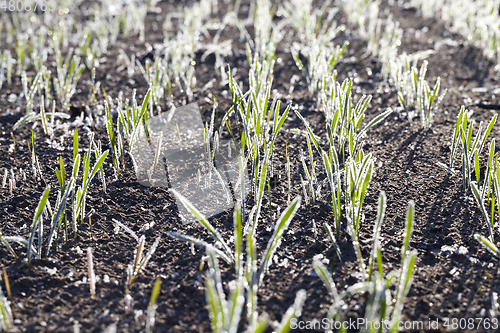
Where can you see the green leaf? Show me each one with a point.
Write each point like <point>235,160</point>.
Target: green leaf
<point>382,204</point>
<point>213,305</point>
<point>310,132</point>
<point>237,300</point>
<point>76,166</point>
<point>109,125</point>
<point>401,100</point>
<point>326,277</point>
<point>334,242</point>
<point>455,136</point>
<point>7,245</point>
<point>488,130</point>
<point>31,117</point>
<point>156,292</point>
<point>469,134</point>
<point>297,60</point>
<point>275,241</point>
<point>410,217</point>
<point>238,238</point>
<point>75,144</point>
<point>447,168</point>
<point>60,209</point>
<point>7,322</point>
<point>62,173</point>
<point>336,56</point>
<point>375,121</point>
<point>199,242</point>
<point>204,222</point>
<point>476,166</point>
<point>405,281</point>
<point>482,206</point>
<point>139,118</point>
<point>97,166</point>
<point>215,276</point>
<point>76,209</point>
<point>465,160</point>
<point>365,183</point>
<point>36,219</point>
<point>488,244</point>
<point>261,325</point>
<point>292,312</point>
<point>435,92</point>
<point>487,174</point>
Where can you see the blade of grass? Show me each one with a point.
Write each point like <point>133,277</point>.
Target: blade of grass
<point>482,207</point>
<point>292,312</point>
<point>382,204</point>
<point>203,222</point>
<point>275,241</point>
<point>199,242</point>
<point>488,244</point>
<point>410,217</point>
<point>36,218</point>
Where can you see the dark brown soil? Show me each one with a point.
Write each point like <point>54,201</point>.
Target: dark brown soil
<point>50,296</point>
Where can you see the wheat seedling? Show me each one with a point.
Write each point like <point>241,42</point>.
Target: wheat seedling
<point>116,150</point>
<point>60,209</point>
<point>30,94</point>
<point>140,261</point>
<point>129,122</point>
<point>489,192</point>
<point>33,116</point>
<point>321,62</point>
<point>98,152</point>
<point>261,123</point>
<point>157,77</point>
<point>225,313</point>
<point>344,134</point>
<point>488,244</point>
<point>358,174</point>
<point>493,179</point>
<point>312,179</point>
<point>150,321</point>
<point>6,319</point>
<point>309,22</point>
<point>78,205</point>
<point>362,14</point>
<point>252,274</point>
<point>376,254</point>
<point>68,75</point>
<point>470,148</point>
<point>7,245</point>
<point>343,121</point>
<point>37,225</point>
<point>315,29</point>
<point>226,253</point>
<point>402,73</point>
<point>383,304</point>
<point>426,100</point>
<point>476,21</point>
<point>223,318</point>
